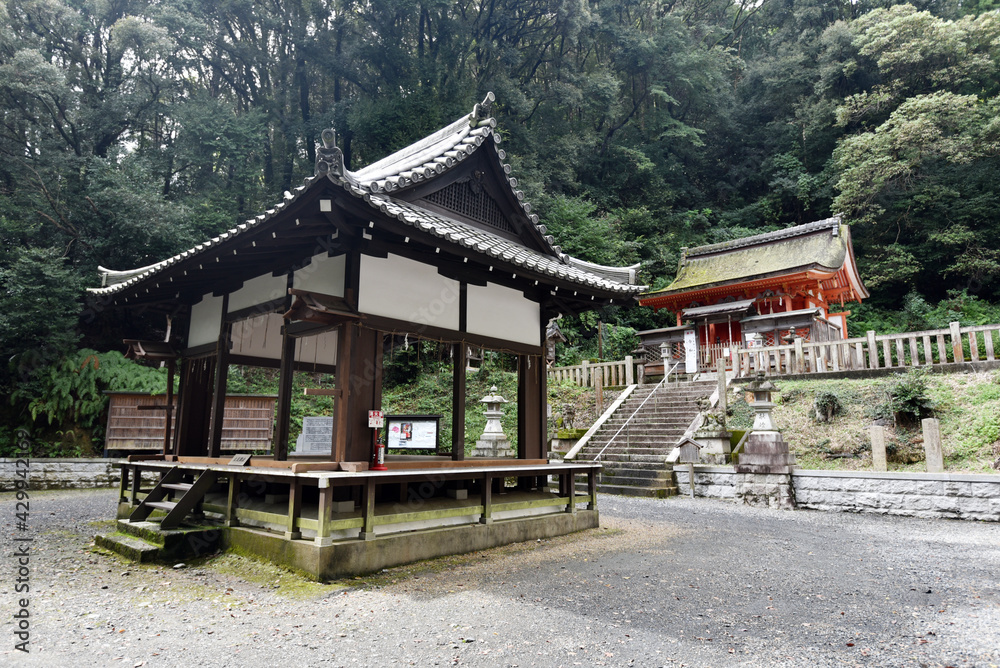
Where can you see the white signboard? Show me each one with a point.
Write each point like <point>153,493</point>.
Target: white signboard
<point>316,437</point>
<point>690,351</point>
<point>412,432</point>
<point>376,419</point>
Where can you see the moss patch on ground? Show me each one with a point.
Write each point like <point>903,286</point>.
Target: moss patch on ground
<point>967,405</point>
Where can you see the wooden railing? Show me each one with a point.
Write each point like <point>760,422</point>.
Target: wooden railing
<point>875,351</point>
<point>609,374</point>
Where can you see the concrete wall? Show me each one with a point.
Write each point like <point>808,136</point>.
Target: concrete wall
<point>936,495</point>
<point>78,473</point>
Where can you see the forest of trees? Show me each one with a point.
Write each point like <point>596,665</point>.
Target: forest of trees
<point>133,129</point>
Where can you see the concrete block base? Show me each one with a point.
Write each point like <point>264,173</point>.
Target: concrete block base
<point>356,557</point>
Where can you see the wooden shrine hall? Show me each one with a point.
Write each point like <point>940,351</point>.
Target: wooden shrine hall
<point>760,289</point>
<point>434,241</point>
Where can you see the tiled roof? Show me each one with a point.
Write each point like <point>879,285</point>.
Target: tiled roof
<point>421,161</point>
<point>490,244</point>
<point>820,245</point>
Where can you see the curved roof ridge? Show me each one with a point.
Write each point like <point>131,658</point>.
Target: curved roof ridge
<point>619,274</point>
<point>766,237</point>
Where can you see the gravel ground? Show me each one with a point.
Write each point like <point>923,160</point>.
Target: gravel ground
<point>662,583</point>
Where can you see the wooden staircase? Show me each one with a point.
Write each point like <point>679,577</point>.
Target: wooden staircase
<point>175,496</point>
<point>635,461</point>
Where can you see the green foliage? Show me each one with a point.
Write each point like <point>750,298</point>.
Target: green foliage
<point>828,405</point>
<point>68,397</point>
<point>909,397</point>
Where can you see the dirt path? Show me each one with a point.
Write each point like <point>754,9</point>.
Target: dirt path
<point>674,582</point>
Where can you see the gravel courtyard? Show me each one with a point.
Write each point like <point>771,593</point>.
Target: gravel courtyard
<point>669,582</point>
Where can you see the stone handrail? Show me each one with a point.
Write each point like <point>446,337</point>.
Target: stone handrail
<point>956,344</point>
<point>612,374</point>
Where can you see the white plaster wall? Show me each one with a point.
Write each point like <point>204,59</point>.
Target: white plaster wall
<point>324,275</point>
<point>206,316</point>
<point>503,313</point>
<point>260,336</point>
<point>397,287</point>
<point>318,349</point>
<point>257,290</point>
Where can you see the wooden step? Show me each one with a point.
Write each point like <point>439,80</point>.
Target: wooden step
<point>162,505</point>
<point>177,486</point>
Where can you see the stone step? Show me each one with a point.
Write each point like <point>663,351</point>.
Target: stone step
<point>648,459</point>
<point>628,490</point>
<point>130,547</point>
<point>647,476</point>
<point>631,481</point>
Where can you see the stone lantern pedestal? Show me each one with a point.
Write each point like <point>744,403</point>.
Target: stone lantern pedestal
<point>765,464</point>
<point>493,443</point>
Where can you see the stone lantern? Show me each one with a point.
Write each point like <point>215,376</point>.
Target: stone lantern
<point>765,465</point>
<point>762,404</point>
<point>493,442</point>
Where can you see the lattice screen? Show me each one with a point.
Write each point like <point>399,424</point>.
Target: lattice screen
<point>460,198</point>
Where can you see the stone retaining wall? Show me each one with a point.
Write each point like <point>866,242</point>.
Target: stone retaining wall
<point>936,495</point>
<point>76,473</point>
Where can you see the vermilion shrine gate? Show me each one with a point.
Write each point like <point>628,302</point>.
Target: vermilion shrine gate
<point>434,241</point>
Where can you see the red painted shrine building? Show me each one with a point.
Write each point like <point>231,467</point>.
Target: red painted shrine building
<point>761,289</point>
<point>433,242</point>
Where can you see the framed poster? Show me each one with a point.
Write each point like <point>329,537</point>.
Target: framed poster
<point>412,432</point>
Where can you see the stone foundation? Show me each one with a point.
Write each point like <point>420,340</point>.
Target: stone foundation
<point>773,490</point>
<point>77,473</point>
<point>931,495</point>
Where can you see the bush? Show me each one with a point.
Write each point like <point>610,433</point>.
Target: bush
<point>909,398</point>
<point>827,405</point>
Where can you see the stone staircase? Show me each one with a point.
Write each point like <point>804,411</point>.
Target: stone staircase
<point>177,531</point>
<point>635,463</point>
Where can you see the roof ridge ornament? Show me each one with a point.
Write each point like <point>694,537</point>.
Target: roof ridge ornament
<point>482,111</point>
<point>329,158</point>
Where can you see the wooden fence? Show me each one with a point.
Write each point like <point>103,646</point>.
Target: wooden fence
<point>875,351</point>
<point>586,374</point>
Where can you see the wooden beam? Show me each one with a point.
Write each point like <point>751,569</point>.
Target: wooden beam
<point>219,391</point>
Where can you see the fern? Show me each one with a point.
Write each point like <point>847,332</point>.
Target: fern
<point>72,390</point>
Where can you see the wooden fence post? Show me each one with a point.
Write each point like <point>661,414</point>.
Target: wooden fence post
<point>629,370</point>
<point>720,373</point>
<point>956,342</point>
<point>878,438</point>
<point>932,445</point>
<point>872,351</point>
<point>585,373</point>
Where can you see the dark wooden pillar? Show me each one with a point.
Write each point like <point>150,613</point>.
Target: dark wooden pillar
<point>219,391</point>
<point>460,357</point>
<point>359,381</point>
<point>194,406</point>
<point>286,371</point>
<point>530,407</point>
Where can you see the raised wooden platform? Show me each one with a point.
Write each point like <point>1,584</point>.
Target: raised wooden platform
<point>425,507</point>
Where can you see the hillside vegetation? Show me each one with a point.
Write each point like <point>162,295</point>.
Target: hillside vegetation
<point>134,130</point>
<point>967,405</point>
